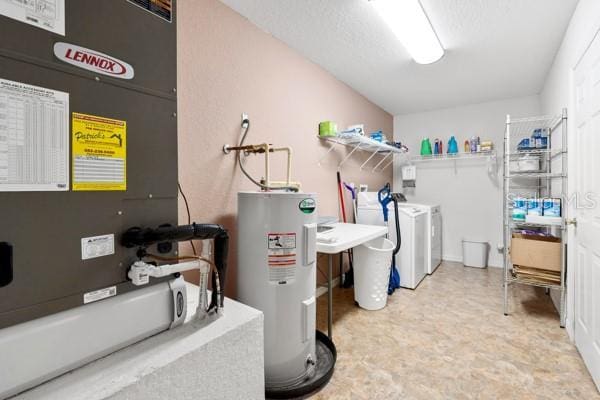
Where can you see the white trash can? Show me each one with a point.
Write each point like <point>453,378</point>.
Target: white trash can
<point>475,253</point>
<point>372,264</point>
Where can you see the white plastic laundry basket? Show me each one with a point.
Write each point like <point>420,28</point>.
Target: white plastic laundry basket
<point>372,263</point>
<point>475,253</point>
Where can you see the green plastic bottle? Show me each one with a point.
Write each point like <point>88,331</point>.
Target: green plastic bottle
<point>426,147</point>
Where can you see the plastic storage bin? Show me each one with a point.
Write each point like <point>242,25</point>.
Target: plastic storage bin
<point>372,263</point>
<point>526,163</point>
<point>475,253</point>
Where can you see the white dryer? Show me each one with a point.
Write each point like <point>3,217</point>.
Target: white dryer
<point>433,240</point>
<point>411,260</point>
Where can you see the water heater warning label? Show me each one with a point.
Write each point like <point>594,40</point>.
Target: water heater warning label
<point>281,257</point>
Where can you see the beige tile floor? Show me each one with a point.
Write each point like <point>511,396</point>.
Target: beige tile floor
<point>449,340</point>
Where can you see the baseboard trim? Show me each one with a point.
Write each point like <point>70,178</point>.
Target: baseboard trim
<point>452,258</point>
<point>460,260</point>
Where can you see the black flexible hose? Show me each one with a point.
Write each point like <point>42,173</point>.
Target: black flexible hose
<point>221,238</point>
<point>398,236</point>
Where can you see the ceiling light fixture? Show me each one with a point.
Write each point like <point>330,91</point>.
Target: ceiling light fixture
<point>410,24</point>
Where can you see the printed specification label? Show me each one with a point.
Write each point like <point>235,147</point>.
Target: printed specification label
<point>99,153</point>
<point>97,246</point>
<point>34,138</point>
<point>281,257</point>
<point>96,295</point>
<point>45,14</point>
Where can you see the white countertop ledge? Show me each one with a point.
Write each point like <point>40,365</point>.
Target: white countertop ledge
<point>159,366</point>
<point>348,236</point>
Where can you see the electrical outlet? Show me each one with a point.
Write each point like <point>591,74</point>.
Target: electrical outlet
<point>245,123</point>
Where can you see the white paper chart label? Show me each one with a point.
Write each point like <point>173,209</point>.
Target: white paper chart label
<point>45,14</point>
<point>34,138</point>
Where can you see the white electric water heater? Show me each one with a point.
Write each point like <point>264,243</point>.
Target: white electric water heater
<point>277,275</point>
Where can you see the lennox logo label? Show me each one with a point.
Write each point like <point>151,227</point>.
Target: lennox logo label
<point>93,60</point>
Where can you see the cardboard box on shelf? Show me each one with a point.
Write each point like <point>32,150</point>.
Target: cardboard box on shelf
<point>540,252</point>
<point>539,275</point>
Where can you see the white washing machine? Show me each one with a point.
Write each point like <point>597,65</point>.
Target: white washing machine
<point>411,259</point>
<point>433,240</point>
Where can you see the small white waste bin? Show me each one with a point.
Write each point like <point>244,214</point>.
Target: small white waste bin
<point>372,264</point>
<point>475,253</point>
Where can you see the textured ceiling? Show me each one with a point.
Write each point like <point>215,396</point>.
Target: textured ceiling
<point>495,49</point>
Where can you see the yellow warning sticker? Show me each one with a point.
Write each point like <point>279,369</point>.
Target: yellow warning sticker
<point>99,153</point>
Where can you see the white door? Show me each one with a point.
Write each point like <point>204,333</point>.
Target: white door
<point>586,260</point>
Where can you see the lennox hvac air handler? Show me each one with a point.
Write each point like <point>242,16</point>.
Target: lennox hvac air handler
<point>88,184</point>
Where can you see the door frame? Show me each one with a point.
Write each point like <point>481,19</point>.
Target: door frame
<point>591,35</point>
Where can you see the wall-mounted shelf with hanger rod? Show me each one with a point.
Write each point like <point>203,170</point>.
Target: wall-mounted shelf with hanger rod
<point>458,156</point>
<point>384,154</point>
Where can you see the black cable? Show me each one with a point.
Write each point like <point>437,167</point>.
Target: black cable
<point>189,216</point>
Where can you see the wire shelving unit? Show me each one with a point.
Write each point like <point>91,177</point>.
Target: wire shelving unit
<point>544,183</point>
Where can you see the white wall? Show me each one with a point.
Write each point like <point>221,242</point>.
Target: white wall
<point>558,93</point>
<point>471,198</point>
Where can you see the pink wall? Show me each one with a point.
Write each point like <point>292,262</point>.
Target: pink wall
<point>226,66</point>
